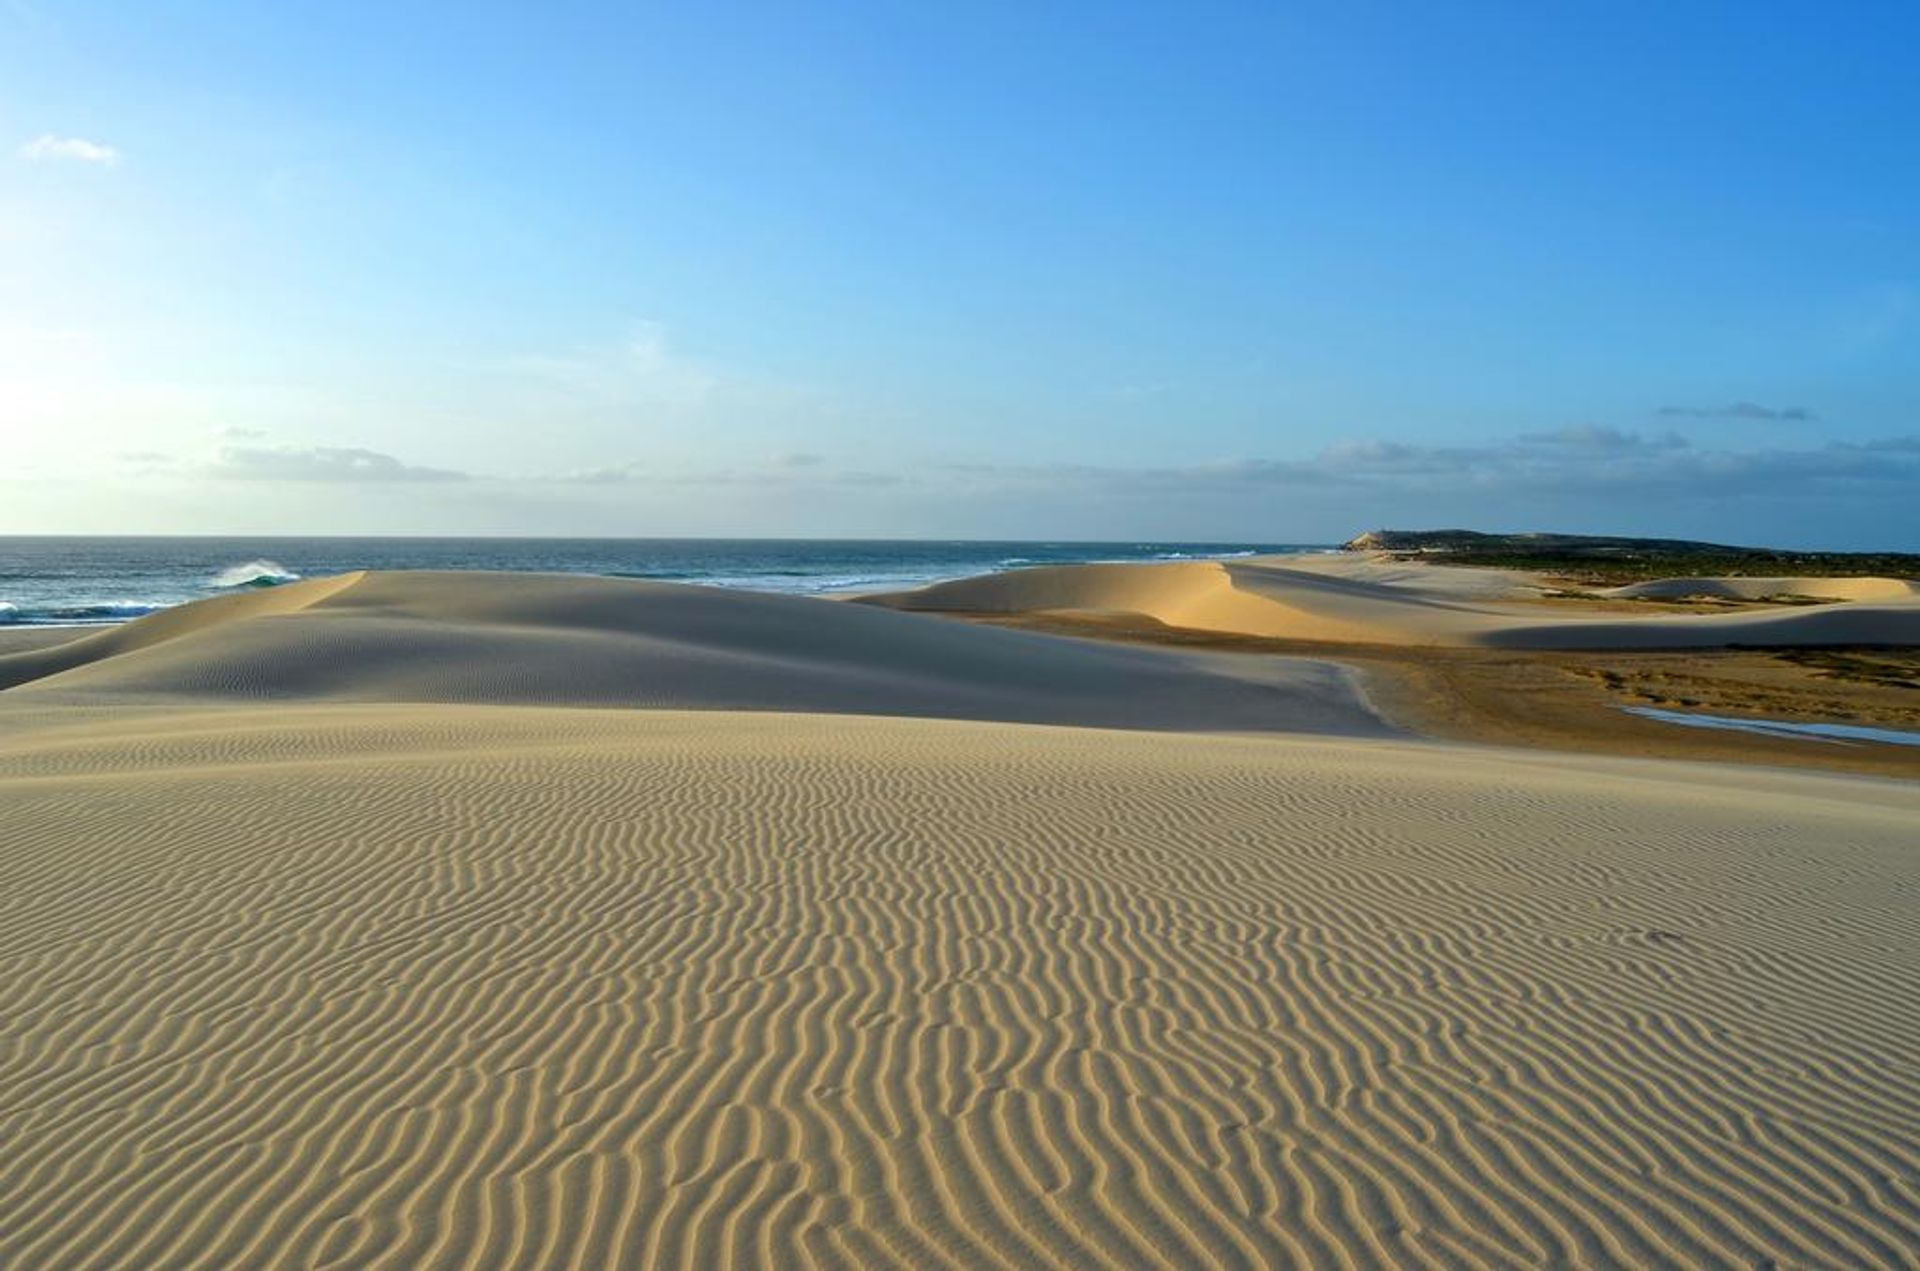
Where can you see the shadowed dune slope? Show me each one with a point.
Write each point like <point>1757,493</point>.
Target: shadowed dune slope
<point>184,622</point>
<point>567,640</point>
<point>1355,600</point>
<point>451,986</point>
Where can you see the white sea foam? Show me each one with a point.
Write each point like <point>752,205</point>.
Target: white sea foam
<point>255,573</point>
<point>76,614</point>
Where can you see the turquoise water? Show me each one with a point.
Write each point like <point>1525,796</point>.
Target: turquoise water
<point>1780,728</point>
<point>69,581</point>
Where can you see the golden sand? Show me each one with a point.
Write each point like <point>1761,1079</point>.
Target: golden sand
<point>1344,599</point>
<point>328,940</point>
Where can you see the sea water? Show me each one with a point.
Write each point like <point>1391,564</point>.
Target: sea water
<point>47,581</point>
<point>1780,727</point>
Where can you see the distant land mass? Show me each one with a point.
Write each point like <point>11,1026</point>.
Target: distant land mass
<point>1608,559</point>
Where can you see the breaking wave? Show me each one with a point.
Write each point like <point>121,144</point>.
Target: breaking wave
<point>75,615</point>
<point>255,573</point>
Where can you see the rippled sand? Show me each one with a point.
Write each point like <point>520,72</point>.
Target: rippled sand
<point>298,981</point>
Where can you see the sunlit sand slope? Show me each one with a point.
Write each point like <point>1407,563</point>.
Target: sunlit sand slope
<point>555,639</point>
<point>460,986</point>
<point>1356,600</point>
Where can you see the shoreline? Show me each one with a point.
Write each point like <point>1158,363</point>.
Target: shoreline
<point>111,580</point>
<point>1564,700</point>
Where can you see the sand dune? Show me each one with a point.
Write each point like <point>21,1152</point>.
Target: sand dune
<point>567,640</point>
<point>168,625</point>
<point>327,939</point>
<point>461,986</point>
<point>1244,598</point>
<point>1766,588</point>
<point>1357,600</point>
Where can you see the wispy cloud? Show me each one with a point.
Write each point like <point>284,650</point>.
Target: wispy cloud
<point>1592,471</point>
<point>1601,437</point>
<point>643,368</point>
<point>609,474</point>
<point>148,462</point>
<point>1588,458</point>
<point>1743,410</point>
<point>320,463</point>
<point>48,148</point>
<point>793,469</point>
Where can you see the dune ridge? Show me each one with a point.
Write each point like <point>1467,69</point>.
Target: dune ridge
<point>180,622</point>
<point>1363,600</point>
<point>1755,588</point>
<point>428,636</point>
<point>468,986</point>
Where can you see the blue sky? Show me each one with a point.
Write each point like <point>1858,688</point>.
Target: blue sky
<point>1275,272</point>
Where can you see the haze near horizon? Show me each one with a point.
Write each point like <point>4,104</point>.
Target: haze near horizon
<point>1094,272</point>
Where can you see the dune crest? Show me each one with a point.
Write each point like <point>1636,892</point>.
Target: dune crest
<point>1205,595</point>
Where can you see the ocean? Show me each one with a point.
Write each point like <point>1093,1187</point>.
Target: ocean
<point>46,581</point>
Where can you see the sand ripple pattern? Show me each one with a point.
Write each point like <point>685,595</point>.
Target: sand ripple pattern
<point>357,987</point>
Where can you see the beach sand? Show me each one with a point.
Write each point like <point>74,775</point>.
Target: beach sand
<point>479,921</point>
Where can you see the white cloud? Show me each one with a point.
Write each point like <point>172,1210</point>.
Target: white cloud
<point>320,463</point>
<point>611,474</point>
<point>48,148</point>
<point>799,470</point>
<point>148,462</point>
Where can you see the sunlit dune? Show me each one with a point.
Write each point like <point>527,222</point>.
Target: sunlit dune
<point>1359,600</point>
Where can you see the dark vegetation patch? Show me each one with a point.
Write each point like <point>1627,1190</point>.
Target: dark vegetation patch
<point>1598,561</point>
<point>1893,668</point>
